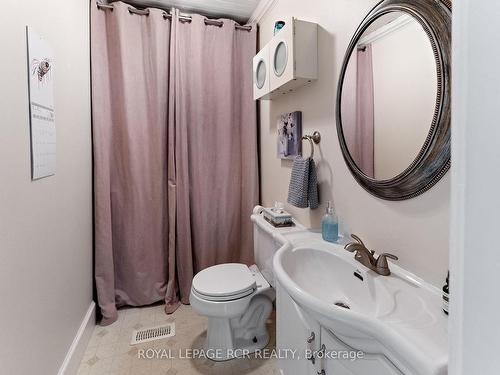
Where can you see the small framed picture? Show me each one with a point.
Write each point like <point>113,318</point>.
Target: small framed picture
<point>290,135</point>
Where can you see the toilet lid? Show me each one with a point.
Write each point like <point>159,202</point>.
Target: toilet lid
<point>225,280</point>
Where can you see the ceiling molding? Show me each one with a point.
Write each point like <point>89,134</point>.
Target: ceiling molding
<point>387,29</point>
<point>262,8</point>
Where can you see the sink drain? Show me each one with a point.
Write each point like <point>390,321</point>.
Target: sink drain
<point>342,304</point>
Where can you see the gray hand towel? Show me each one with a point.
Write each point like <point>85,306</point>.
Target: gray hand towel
<point>303,189</point>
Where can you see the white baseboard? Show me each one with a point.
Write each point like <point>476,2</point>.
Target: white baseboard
<point>79,344</point>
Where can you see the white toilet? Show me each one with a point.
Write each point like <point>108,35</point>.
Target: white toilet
<point>237,299</point>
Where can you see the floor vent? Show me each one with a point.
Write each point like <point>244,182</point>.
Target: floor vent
<point>151,334</point>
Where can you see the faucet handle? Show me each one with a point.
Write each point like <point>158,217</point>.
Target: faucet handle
<point>382,260</point>
<point>355,245</point>
<point>357,239</point>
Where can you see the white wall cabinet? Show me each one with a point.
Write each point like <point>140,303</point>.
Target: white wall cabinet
<point>290,58</point>
<point>261,73</point>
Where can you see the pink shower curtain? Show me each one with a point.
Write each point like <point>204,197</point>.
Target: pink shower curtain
<point>357,109</point>
<point>364,130</point>
<point>175,171</point>
<point>216,144</point>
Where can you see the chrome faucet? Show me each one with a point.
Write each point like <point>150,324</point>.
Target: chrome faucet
<point>367,257</point>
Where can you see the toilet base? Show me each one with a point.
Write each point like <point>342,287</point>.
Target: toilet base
<point>242,348</point>
<point>229,338</point>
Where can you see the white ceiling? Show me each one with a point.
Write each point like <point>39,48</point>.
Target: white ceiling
<point>239,10</point>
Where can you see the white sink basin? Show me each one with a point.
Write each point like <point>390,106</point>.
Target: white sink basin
<point>398,315</point>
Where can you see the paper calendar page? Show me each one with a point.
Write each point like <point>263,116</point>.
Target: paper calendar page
<point>41,101</point>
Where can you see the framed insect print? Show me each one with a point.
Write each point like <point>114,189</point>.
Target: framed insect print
<point>289,129</point>
<point>41,106</point>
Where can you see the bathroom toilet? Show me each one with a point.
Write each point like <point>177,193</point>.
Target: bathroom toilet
<point>237,299</point>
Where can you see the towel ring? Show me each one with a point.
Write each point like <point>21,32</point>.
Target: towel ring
<point>314,138</point>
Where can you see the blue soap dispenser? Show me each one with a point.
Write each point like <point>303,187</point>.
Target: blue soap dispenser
<point>330,225</point>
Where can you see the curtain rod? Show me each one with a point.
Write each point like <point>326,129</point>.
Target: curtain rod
<point>166,15</point>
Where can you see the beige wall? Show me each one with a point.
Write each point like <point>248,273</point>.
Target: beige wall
<point>416,230</point>
<point>46,225</point>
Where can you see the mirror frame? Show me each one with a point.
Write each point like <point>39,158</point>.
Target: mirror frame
<point>433,160</point>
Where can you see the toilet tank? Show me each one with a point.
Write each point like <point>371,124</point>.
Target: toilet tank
<point>266,242</point>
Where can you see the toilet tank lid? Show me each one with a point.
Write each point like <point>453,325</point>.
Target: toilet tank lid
<point>224,280</point>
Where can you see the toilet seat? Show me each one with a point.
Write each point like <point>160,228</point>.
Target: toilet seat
<point>224,282</point>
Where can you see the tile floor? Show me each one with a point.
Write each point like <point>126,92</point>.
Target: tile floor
<point>109,351</point>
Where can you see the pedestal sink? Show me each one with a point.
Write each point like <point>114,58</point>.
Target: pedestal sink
<point>398,316</point>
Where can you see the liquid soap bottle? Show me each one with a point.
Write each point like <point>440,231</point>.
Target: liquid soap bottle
<point>330,225</point>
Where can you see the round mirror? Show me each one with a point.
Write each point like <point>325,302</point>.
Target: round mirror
<point>389,95</point>
<point>280,58</point>
<point>260,74</point>
<point>393,98</point>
